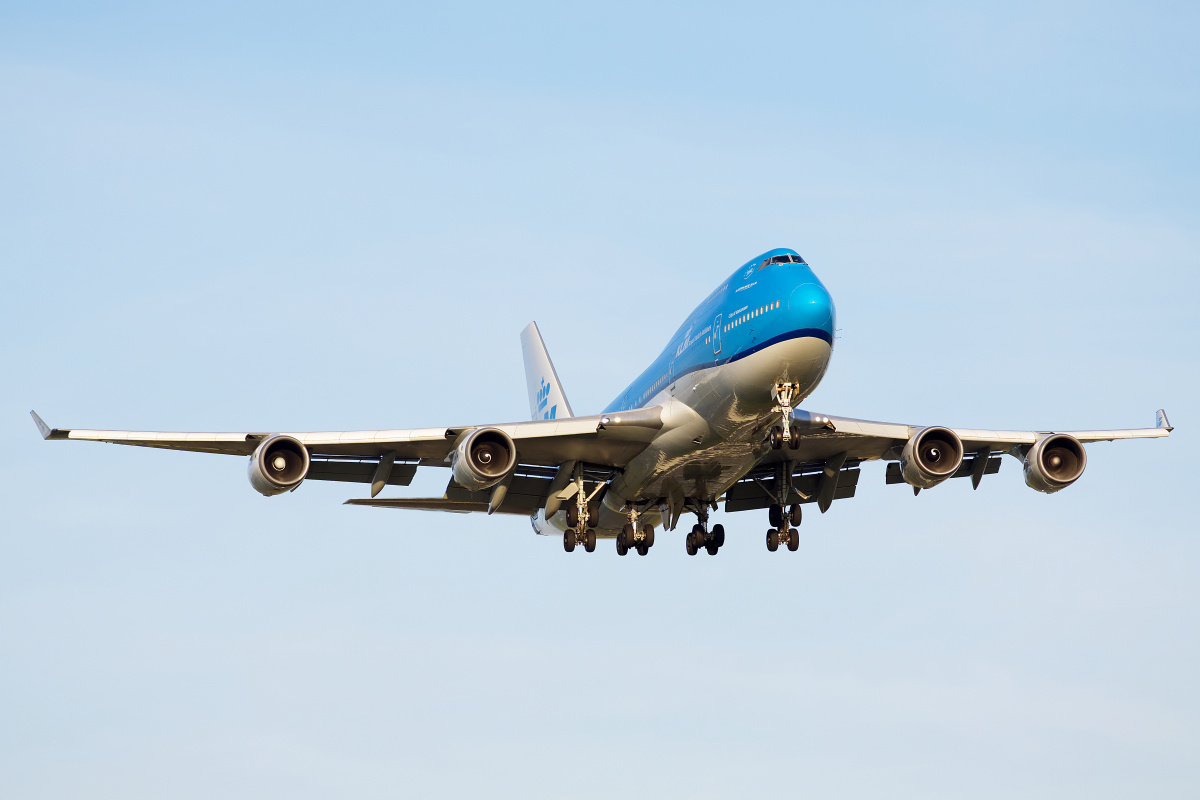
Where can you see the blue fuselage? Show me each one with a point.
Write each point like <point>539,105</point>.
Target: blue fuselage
<point>764,302</point>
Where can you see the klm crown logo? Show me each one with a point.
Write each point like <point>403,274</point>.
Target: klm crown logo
<point>543,397</point>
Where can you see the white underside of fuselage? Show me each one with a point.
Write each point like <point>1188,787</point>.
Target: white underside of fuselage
<point>713,432</point>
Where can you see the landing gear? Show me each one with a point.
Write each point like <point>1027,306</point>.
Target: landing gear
<point>785,528</point>
<point>785,433</point>
<point>634,536</point>
<point>582,516</point>
<point>703,538</point>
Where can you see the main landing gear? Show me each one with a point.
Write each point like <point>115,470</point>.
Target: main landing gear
<point>703,538</point>
<point>634,536</point>
<point>582,516</point>
<point>785,528</point>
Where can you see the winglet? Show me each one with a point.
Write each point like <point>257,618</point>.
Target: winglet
<point>43,428</point>
<point>1161,421</point>
<point>546,397</point>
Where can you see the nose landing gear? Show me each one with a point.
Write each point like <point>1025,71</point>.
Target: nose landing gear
<point>785,433</point>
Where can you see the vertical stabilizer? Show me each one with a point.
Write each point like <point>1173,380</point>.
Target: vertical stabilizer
<point>546,397</point>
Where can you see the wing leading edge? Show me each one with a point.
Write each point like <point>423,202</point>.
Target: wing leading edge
<point>607,440</point>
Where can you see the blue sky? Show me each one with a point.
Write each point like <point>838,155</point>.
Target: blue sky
<point>285,217</point>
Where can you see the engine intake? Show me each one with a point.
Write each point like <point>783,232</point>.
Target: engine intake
<point>1054,463</point>
<point>278,465</point>
<point>483,457</point>
<point>930,457</point>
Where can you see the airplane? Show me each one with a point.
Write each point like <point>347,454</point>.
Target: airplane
<point>715,418</point>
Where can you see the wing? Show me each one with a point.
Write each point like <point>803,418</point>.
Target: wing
<point>602,440</point>
<point>829,450</point>
<point>824,437</point>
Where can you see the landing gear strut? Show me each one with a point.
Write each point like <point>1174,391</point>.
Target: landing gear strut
<point>702,537</point>
<point>582,515</point>
<point>785,433</point>
<point>634,536</point>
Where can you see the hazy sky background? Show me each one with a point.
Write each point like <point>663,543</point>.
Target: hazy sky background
<point>283,216</point>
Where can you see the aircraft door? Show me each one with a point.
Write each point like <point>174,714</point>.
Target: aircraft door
<point>716,336</point>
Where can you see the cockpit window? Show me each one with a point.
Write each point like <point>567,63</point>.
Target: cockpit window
<point>784,259</point>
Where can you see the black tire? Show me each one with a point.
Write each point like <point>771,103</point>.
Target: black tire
<point>642,549</point>
<point>776,437</point>
<point>794,437</point>
<point>795,515</point>
<point>573,515</point>
<point>718,533</point>
<point>593,509</point>
<point>626,536</point>
<point>793,541</point>
<point>772,540</point>
<point>690,544</point>
<point>712,549</point>
<point>648,532</point>
<point>775,516</point>
<point>621,548</point>
<point>569,541</point>
<point>589,541</point>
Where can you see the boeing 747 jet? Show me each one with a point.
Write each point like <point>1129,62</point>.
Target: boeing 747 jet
<point>715,419</point>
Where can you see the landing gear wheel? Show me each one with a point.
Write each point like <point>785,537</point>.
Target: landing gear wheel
<point>622,549</point>
<point>776,437</point>
<point>569,541</point>
<point>793,437</point>
<point>775,516</point>
<point>642,549</point>
<point>572,515</point>
<point>772,540</point>
<point>794,539</point>
<point>589,541</point>
<point>794,515</point>
<point>593,512</point>
<point>712,549</point>
<point>648,532</point>
<point>718,533</point>
<point>690,543</point>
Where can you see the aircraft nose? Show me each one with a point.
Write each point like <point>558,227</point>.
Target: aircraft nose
<point>811,307</point>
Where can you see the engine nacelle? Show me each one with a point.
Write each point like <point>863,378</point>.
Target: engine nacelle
<point>1054,463</point>
<point>483,457</point>
<point>278,465</point>
<point>930,457</point>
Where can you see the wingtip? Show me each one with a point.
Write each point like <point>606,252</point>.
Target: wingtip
<point>44,429</point>
<point>1161,421</point>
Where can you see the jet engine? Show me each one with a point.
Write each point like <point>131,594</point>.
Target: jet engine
<point>1054,463</point>
<point>278,465</point>
<point>930,457</point>
<point>483,457</point>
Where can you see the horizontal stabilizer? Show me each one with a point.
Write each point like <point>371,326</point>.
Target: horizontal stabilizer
<point>434,504</point>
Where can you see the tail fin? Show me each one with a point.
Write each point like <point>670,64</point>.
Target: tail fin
<point>546,397</point>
